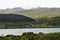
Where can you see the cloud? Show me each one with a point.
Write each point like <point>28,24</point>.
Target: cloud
<point>29,3</point>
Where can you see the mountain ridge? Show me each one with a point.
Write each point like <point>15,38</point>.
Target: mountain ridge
<point>34,12</point>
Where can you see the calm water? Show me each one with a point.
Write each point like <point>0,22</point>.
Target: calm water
<point>20,31</point>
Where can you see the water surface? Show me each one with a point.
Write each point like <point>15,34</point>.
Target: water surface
<point>35,30</point>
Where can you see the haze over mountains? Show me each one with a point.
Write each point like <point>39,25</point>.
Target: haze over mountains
<point>34,12</point>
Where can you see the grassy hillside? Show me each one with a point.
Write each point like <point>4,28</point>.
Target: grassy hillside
<point>31,18</point>
<point>32,36</point>
<point>8,21</point>
<point>14,21</point>
<point>14,18</point>
<point>49,21</point>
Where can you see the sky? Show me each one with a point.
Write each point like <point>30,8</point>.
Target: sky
<point>27,4</point>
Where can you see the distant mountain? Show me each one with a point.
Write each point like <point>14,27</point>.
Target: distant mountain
<point>40,12</point>
<point>11,10</point>
<point>17,9</point>
<point>30,18</point>
<point>34,12</point>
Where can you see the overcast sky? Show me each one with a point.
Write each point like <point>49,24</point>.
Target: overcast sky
<point>28,3</point>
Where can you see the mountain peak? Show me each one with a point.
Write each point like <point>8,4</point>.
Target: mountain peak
<point>17,8</point>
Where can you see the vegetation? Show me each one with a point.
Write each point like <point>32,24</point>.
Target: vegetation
<point>49,22</point>
<point>32,36</point>
<point>31,18</point>
<point>8,21</point>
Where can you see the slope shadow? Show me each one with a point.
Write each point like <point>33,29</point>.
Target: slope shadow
<point>14,18</point>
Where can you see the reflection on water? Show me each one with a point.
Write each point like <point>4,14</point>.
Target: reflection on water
<point>35,30</point>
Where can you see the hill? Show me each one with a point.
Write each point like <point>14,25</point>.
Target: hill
<point>40,12</point>
<point>30,18</point>
<point>49,22</point>
<point>14,21</point>
<point>34,12</point>
<point>14,18</point>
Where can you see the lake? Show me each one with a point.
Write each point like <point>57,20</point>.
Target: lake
<point>4,32</point>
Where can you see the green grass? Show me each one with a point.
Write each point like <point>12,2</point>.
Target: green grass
<point>12,21</point>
